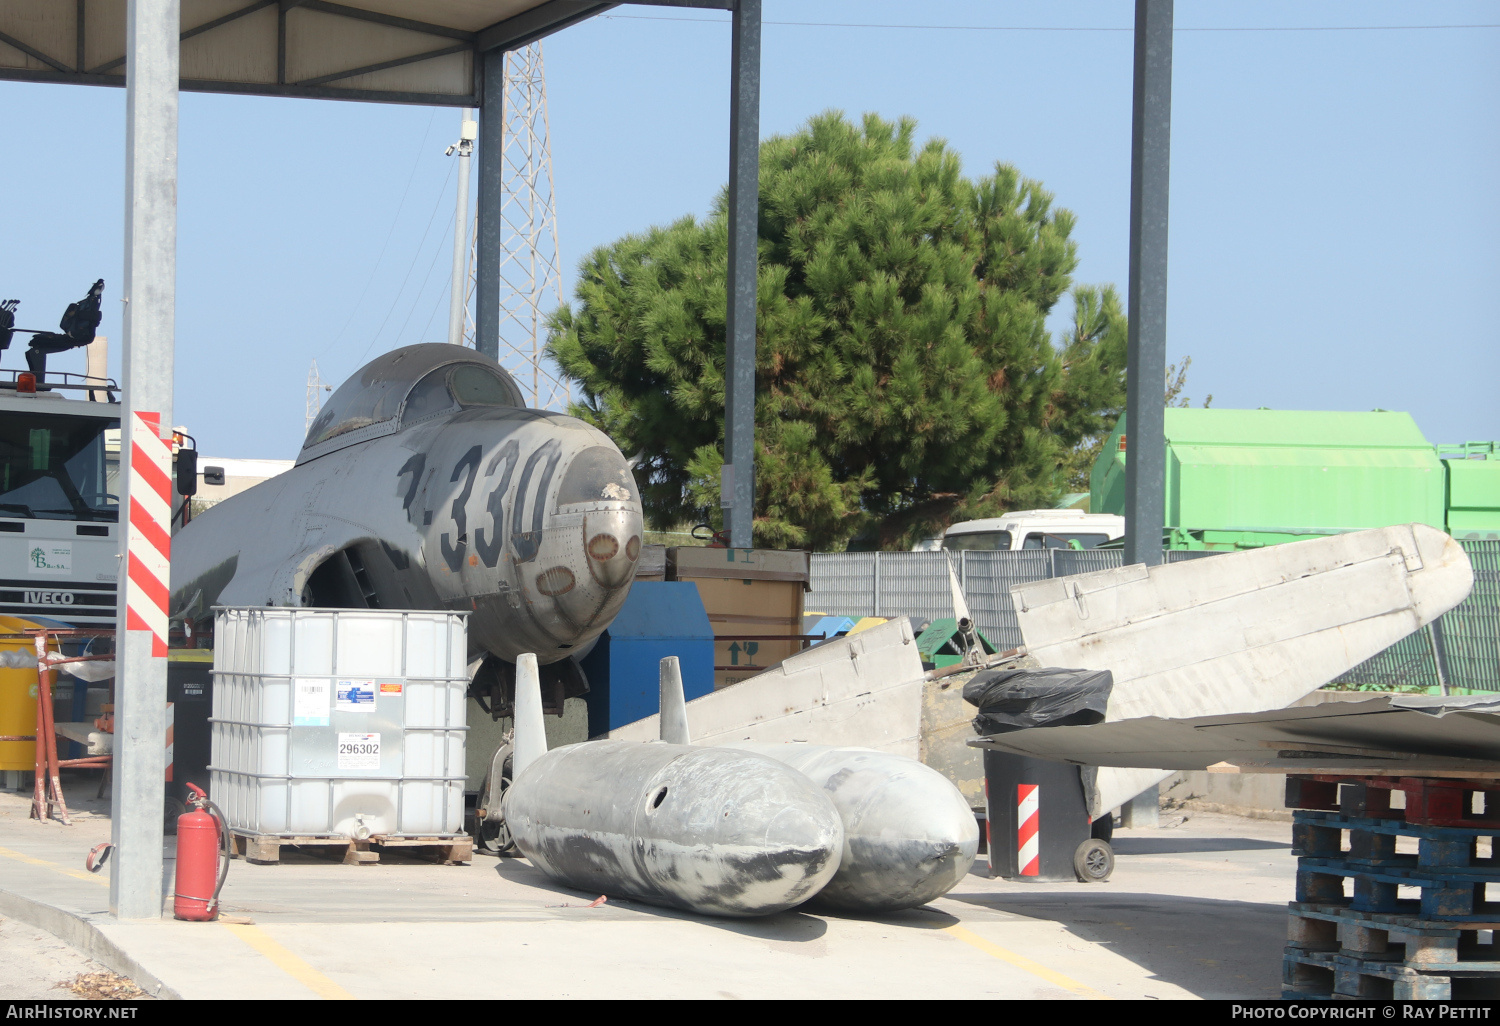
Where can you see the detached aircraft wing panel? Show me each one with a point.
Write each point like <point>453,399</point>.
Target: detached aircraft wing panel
<point>1386,735</point>
<point>1242,632</point>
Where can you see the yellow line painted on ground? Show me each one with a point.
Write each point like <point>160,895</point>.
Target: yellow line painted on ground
<point>77,874</point>
<point>1022,962</point>
<point>289,963</point>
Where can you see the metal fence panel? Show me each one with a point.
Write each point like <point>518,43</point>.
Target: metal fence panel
<point>1469,634</point>
<point>989,576</point>
<point>915,584</point>
<point>843,583</point>
<point>1071,562</point>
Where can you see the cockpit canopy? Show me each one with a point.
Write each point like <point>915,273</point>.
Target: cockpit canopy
<point>406,386</point>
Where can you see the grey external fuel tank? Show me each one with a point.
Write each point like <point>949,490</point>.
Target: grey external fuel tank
<point>711,830</point>
<point>909,835</point>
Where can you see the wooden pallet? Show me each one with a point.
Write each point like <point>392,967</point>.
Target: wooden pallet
<point>1447,871</point>
<point>1429,801</point>
<point>1372,841</point>
<point>1431,946</point>
<point>1454,895</point>
<point>265,849</point>
<point>1317,974</point>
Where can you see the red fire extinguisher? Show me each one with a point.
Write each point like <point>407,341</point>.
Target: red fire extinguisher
<point>202,859</point>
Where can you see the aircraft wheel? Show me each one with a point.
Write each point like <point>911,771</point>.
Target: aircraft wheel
<point>491,833</point>
<point>1093,861</point>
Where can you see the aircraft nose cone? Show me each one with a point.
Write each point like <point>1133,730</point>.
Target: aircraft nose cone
<point>612,547</point>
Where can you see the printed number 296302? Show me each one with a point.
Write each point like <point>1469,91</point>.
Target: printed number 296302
<point>359,751</point>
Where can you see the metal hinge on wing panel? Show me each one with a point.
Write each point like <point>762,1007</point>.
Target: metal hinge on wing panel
<point>1409,550</point>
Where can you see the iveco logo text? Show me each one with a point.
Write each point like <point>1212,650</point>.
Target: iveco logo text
<point>50,598</point>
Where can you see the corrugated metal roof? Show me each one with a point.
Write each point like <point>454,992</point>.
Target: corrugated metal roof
<point>402,51</point>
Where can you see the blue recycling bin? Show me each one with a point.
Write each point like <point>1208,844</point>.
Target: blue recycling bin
<point>659,619</point>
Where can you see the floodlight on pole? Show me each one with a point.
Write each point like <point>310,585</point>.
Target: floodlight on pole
<point>468,132</point>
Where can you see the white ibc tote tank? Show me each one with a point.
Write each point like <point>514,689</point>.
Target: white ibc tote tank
<point>342,722</point>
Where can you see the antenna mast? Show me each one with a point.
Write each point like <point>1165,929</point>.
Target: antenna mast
<point>316,386</point>
<point>530,281</point>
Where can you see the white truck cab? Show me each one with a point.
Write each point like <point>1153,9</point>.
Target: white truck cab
<point>59,501</point>
<point>1032,529</point>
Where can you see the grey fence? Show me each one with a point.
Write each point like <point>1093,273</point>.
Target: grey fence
<point>1462,650</point>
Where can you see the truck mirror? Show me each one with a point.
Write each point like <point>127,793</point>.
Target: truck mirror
<point>187,471</point>
<point>213,475</point>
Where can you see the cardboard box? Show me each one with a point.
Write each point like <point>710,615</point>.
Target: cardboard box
<point>652,566</point>
<point>752,596</point>
<point>696,562</point>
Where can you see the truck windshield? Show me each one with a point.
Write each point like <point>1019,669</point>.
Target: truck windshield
<point>1063,540</point>
<point>985,540</point>
<point>55,467</point>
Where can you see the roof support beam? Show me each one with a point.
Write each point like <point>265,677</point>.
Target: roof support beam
<point>383,19</point>
<point>182,38</point>
<point>514,33</point>
<point>1146,360</point>
<point>383,65</point>
<point>33,52</point>
<point>737,483</point>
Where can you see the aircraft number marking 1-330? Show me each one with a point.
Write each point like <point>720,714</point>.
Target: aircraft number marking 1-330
<point>488,547</point>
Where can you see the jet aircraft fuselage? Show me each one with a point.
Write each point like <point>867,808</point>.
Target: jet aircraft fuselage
<point>426,484</point>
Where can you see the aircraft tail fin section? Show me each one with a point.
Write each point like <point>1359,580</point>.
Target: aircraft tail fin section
<point>674,724</point>
<point>529,743</point>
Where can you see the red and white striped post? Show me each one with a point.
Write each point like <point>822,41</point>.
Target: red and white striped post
<point>1028,829</point>
<point>149,530</point>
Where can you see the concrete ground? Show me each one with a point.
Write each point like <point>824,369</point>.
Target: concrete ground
<point>1193,910</point>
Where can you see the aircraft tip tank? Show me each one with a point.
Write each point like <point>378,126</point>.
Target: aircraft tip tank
<point>711,830</point>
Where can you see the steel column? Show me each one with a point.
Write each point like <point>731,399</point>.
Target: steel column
<point>744,217</point>
<point>150,295</point>
<point>491,178</point>
<point>1146,363</point>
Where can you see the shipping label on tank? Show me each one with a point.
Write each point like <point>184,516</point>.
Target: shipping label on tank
<point>311,702</point>
<point>50,559</point>
<point>388,687</point>
<point>359,751</point>
<point>356,695</point>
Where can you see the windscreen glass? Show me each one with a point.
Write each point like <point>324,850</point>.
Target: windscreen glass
<point>1063,540</point>
<point>981,540</point>
<point>59,468</point>
<point>479,386</point>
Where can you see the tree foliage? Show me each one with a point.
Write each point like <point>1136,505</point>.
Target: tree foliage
<point>905,377</point>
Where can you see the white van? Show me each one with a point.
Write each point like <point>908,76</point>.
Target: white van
<point>1031,529</point>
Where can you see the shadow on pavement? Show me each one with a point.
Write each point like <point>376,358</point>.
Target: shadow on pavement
<point>1214,949</point>
<point>1182,845</point>
<point>790,926</point>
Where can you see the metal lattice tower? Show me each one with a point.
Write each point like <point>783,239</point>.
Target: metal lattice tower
<point>316,386</point>
<point>530,279</point>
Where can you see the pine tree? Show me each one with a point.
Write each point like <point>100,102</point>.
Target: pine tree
<point>905,375</point>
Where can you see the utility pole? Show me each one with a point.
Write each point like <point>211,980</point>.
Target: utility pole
<point>138,778</point>
<point>737,477</point>
<point>468,132</point>
<point>1146,354</point>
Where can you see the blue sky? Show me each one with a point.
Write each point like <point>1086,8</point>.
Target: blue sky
<point>1335,225</point>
